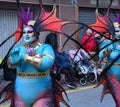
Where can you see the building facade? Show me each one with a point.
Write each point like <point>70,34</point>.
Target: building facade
<point>78,10</point>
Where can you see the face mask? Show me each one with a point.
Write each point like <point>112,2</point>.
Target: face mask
<point>28,35</point>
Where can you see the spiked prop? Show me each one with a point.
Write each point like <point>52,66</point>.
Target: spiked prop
<point>103,24</point>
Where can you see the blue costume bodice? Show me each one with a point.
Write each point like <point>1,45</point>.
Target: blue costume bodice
<point>115,68</point>
<point>30,89</point>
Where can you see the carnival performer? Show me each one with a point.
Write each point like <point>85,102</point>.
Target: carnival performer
<point>110,58</point>
<point>33,86</point>
<point>110,53</point>
<point>33,62</point>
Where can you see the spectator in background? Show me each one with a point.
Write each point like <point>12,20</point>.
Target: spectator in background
<point>79,56</point>
<point>51,39</point>
<point>89,42</point>
<point>63,63</point>
<point>98,38</point>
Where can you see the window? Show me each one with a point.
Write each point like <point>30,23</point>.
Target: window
<point>105,2</point>
<point>74,2</point>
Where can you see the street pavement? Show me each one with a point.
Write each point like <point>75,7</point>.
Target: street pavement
<point>88,97</point>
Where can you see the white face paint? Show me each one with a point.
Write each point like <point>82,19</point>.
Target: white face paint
<point>28,35</point>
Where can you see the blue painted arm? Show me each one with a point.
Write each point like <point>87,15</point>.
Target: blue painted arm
<point>48,57</point>
<point>16,55</point>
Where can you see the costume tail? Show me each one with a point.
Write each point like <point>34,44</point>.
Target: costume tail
<point>111,85</point>
<point>9,94</point>
<point>58,91</point>
<point>114,86</point>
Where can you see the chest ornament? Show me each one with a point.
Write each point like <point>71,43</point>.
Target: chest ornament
<point>31,48</point>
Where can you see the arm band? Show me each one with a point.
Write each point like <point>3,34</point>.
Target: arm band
<point>50,56</point>
<point>34,60</point>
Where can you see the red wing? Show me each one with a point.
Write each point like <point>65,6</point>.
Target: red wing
<point>102,24</point>
<point>111,85</point>
<point>49,21</point>
<point>114,85</point>
<point>9,90</point>
<point>17,34</point>
<point>58,91</point>
<point>18,31</point>
<point>103,81</point>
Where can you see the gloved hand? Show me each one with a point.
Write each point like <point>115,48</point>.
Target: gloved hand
<point>16,55</point>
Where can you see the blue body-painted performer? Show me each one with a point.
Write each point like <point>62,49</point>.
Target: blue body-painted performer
<point>33,86</point>
<point>110,55</point>
<point>33,61</point>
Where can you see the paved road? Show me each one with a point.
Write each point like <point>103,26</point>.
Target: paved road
<point>88,97</point>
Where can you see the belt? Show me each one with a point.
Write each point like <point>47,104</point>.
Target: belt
<point>115,64</point>
<point>32,74</point>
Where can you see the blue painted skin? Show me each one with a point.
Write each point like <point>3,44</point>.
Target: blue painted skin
<point>115,51</point>
<point>30,89</point>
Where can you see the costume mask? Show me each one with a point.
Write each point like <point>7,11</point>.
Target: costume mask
<point>28,34</point>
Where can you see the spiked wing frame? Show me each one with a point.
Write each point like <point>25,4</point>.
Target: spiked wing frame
<point>103,23</point>
<point>48,21</point>
<point>110,86</point>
